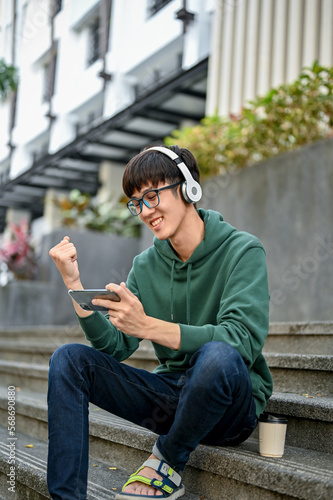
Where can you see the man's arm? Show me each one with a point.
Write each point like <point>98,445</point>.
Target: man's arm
<point>129,317</point>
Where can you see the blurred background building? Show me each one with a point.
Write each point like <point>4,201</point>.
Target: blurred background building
<point>100,79</point>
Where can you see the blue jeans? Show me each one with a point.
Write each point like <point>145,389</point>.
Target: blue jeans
<point>210,403</point>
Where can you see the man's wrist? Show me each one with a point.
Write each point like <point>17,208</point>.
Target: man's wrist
<point>163,332</point>
<point>73,285</point>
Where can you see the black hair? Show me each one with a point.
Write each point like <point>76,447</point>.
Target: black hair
<point>153,167</point>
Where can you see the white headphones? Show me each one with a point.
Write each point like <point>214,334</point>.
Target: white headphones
<point>190,189</point>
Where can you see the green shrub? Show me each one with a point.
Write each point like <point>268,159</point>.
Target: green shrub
<point>287,117</point>
<point>8,79</point>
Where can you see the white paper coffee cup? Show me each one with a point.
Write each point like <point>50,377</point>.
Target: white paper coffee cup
<point>272,435</point>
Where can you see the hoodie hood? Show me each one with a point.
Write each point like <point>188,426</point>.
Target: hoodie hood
<point>216,232</point>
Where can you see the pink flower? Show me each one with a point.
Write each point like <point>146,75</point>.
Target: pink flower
<point>18,253</point>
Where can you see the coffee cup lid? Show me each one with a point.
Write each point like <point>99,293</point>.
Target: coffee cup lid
<point>271,419</point>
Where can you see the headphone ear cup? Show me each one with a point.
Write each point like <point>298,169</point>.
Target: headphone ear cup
<point>185,195</point>
<point>191,191</point>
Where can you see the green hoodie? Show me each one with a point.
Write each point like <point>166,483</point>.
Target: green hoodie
<point>219,294</point>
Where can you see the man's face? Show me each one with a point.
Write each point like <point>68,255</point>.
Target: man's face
<point>167,219</point>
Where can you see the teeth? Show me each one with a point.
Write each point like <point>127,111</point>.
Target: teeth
<point>157,221</point>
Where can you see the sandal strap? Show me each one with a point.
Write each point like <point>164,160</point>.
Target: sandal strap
<point>160,485</point>
<point>164,470</point>
<point>170,478</point>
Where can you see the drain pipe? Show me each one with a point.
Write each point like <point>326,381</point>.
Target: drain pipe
<point>104,16</point>
<point>13,96</point>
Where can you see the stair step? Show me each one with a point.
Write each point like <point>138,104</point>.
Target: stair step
<point>54,334</point>
<point>316,362</point>
<point>301,327</point>
<point>301,372</point>
<point>301,338</point>
<point>33,376</point>
<point>216,473</point>
<point>308,406</point>
<point>26,352</point>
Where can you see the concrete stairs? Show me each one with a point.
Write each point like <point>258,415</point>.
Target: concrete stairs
<point>301,360</point>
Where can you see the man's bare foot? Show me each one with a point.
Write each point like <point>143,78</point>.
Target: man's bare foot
<point>144,489</point>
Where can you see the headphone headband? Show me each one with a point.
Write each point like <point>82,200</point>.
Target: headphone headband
<point>191,189</point>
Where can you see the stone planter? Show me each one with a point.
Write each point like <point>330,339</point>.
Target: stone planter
<point>24,303</point>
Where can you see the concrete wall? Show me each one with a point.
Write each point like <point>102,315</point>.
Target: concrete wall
<point>25,302</point>
<point>287,202</point>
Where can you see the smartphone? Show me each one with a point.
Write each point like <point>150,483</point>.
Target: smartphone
<point>85,297</point>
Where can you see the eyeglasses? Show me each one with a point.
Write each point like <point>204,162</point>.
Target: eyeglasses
<point>151,199</point>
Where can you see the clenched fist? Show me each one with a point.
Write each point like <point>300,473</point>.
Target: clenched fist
<point>64,256</point>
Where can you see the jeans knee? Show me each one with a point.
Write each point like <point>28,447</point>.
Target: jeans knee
<point>66,355</point>
<point>218,359</point>
<point>216,352</point>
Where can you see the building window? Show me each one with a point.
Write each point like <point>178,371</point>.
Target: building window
<point>94,41</point>
<point>156,5</point>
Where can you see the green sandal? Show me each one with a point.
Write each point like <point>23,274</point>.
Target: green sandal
<point>170,485</point>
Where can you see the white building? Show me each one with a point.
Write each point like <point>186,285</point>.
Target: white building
<point>100,79</point>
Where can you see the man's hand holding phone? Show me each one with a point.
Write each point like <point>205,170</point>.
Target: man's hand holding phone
<point>127,314</point>
<point>84,298</point>
<point>129,317</point>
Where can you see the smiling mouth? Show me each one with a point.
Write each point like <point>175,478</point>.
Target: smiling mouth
<point>155,222</point>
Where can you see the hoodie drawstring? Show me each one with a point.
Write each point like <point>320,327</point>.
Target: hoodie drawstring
<point>171,288</point>
<point>188,291</point>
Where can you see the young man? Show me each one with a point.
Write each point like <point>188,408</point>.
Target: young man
<point>200,294</point>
